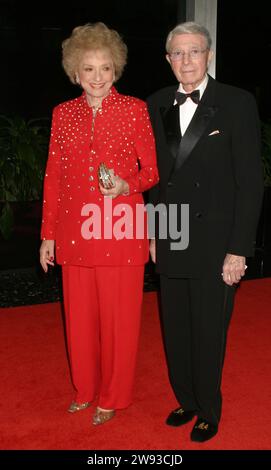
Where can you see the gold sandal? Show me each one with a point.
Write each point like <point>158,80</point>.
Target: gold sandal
<point>74,406</point>
<point>101,416</point>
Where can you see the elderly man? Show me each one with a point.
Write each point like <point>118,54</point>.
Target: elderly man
<point>208,144</point>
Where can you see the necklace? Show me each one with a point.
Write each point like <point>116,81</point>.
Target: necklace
<point>94,110</point>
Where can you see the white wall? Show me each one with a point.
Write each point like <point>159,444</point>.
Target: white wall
<point>205,13</point>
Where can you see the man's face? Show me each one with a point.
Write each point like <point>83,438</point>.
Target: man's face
<point>189,59</point>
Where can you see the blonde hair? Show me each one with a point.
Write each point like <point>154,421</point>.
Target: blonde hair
<point>93,37</point>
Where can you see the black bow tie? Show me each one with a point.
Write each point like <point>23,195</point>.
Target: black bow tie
<point>182,97</point>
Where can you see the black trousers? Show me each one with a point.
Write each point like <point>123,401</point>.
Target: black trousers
<point>195,318</point>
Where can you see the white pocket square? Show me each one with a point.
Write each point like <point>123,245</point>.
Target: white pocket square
<point>214,132</point>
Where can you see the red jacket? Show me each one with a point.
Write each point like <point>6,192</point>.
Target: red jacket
<point>120,136</point>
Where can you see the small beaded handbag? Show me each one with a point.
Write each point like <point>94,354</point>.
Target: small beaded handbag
<point>105,177</point>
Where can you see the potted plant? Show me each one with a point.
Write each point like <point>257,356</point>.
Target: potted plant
<point>23,154</point>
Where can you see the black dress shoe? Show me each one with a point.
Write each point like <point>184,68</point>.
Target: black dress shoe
<point>203,431</point>
<point>179,417</point>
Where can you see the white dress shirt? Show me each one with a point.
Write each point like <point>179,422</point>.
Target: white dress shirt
<point>188,108</point>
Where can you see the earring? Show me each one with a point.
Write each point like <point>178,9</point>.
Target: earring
<point>77,80</point>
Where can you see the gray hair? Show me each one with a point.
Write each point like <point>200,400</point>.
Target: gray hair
<point>189,27</point>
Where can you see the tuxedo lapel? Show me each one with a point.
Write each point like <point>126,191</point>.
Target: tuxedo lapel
<point>204,113</point>
<point>171,122</point>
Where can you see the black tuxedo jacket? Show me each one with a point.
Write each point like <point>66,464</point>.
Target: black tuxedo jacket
<point>216,169</point>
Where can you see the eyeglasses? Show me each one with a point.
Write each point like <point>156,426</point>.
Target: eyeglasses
<point>194,54</point>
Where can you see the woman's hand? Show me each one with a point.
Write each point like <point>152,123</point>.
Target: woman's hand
<point>47,256</point>
<point>153,250</point>
<point>120,187</point>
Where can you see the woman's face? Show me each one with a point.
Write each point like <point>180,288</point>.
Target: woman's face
<point>96,74</point>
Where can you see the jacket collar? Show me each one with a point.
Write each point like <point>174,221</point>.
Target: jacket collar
<point>109,100</point>
<point>181,148</point>
<point>199,122</point>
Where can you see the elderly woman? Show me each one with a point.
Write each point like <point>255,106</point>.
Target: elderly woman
<point>95,232</point>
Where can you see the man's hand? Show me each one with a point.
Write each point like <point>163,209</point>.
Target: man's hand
<point>233,269</point>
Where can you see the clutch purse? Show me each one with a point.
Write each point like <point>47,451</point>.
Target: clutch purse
<point>105,178</point>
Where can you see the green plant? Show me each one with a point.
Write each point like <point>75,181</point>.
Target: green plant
<point>23,154</point>
<point>266,152</point>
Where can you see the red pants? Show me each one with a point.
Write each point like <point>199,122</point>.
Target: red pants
<point>102,310</point>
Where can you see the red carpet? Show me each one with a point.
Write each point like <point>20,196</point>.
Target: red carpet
<point>36,388</point>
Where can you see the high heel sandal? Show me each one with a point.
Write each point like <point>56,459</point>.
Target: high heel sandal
<point>101,416</point>
<point>74,406</point>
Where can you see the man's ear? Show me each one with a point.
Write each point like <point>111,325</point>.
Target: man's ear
<point>210,56</point>
<point>168,59</point>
